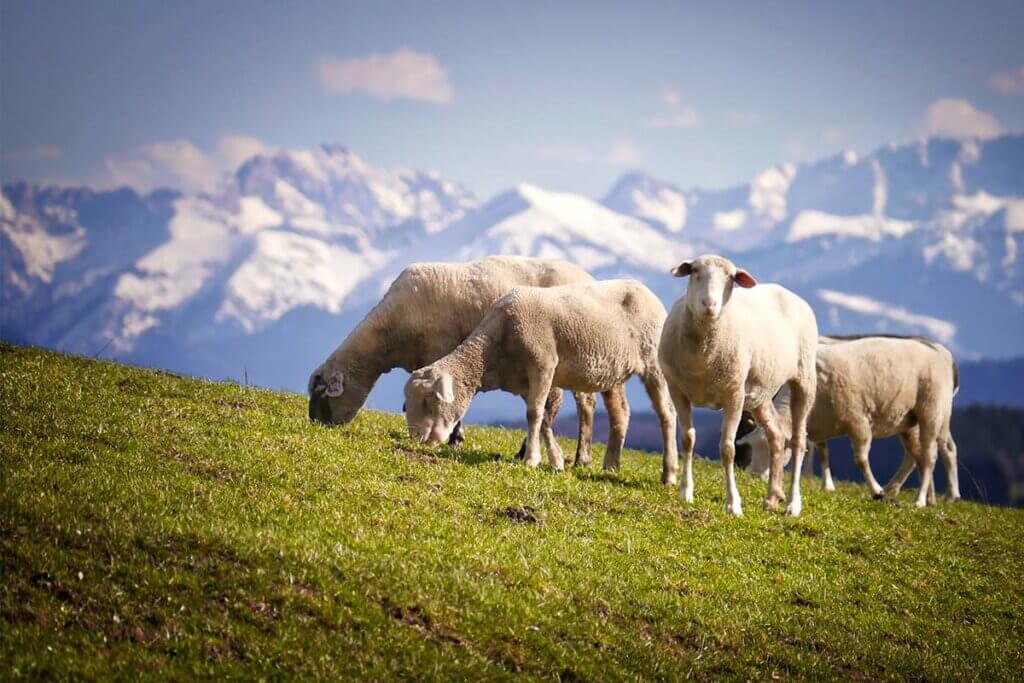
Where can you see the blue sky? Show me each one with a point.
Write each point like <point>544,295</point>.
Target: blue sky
<point>568,96</point>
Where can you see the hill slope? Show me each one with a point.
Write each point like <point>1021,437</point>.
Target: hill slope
<point>180,527</point>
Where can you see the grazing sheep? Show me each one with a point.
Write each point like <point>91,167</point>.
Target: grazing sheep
<point>587,337</point>
<point>732,348</point>
<point>428,310</point>
<point>873,386</point>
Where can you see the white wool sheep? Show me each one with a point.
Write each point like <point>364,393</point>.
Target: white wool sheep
<point>430,309</point>
<point>874,386</point>
<point>588,337</point>
<point>732,348</point>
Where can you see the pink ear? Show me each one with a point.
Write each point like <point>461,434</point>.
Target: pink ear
<point>683,269</point>
<point>744,279</point>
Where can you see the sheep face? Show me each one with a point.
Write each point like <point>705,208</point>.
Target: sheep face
<point>431,408</point>
<point>335,396</point>
<point>711,282</point>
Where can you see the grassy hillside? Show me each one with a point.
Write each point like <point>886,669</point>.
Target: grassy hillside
<point>170,526</point>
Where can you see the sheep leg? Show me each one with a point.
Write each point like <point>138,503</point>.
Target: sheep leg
<point>457,436</point>
<point>551,408</point>
<point>861,441</point>
<point>949,459</point>
<point>911,456</point>
<point>731,416</point>
<point>685,412</point>
<point>767,419</point>
<point>585,404</point>
<point>536,399</point>
<point>618,422</point>
<point>821,448</point>
<point>657,390</point>
<point>521,453</point>
<point>929,454</point>
<point>801,400</point>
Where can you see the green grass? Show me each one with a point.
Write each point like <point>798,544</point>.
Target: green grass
<point>152,524</point>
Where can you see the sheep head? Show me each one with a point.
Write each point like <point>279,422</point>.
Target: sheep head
<point>335,395</point>
<point>433,406</point>
<point>711,282</point>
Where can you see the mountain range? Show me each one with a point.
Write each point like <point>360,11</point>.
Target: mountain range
<point>260,277</point>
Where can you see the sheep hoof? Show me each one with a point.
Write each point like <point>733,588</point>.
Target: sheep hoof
<point>878,496</point>
<point>736,509</point>
<point>669,478</point>
<point>794,508</point>
<point>771,504</point>
<point>610,465</point>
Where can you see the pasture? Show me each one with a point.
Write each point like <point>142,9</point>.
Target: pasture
<point>154,525</point>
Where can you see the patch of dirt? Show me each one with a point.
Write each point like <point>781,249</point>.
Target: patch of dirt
<point>418,618</point>
<point>205,469</point>
<point>521,514</point>
<point>802,601</point>
<point>853,674</point>
<point>234,404</point>
<point>699,515</point>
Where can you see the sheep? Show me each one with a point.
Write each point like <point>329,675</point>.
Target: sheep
<point>877,386</point>
<point>587,337</point>
<point>732,348</point>
<point>428,310</point>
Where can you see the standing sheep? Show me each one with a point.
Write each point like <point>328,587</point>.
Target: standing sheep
<point>428,310</point>
<point>587,337</point>
<point>732,349</point>
<point>874,386</point>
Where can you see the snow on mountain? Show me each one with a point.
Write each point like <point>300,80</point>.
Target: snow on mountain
<point>286,271</point>
<point>533,222</point>
<point>291,229</point>
<point>942,330</point>
<point>40,245</point>
<point>331,190</point>
<point>936,223</point>
<point>654,201</point>
<point>866,226</point>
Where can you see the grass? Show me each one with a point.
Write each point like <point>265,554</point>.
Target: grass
<point>162,526</point>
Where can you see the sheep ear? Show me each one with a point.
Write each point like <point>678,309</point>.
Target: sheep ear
<point>683,269</point>
<point>444,388</point>
<point>335,385</point>
<point>744,279</point>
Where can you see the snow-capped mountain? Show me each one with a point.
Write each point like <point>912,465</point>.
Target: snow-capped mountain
<point>300,228</point>
<point>264,274</point>
<point>923,238</point>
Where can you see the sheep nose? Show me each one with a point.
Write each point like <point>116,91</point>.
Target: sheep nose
<point>709,306</point>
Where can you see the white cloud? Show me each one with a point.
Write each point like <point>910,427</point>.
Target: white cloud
<point>192,167</point>
<point>623,152</point>
<point>235,150</point>
<point>833,135</point>
<point>677,114</point>
<point>179,164</point>
<point>959,119</point>
<point>1009,82</point>
<point>670,97</point>
<point>41,152</point>
<point>403,74</point>
<point>742,118</point>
